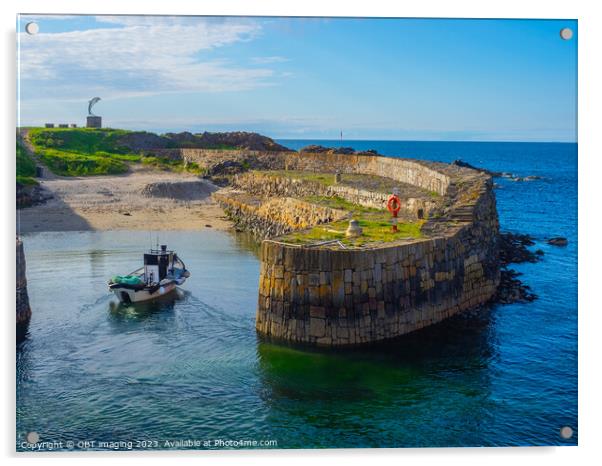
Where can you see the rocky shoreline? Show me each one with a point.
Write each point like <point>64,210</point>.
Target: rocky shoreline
<point>31,195</point>
<point>514,249</point>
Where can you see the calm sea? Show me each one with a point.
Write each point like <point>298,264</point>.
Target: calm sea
<point>192,369</point>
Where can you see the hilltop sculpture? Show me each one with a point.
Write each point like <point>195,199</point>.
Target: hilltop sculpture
<point>91,104</point>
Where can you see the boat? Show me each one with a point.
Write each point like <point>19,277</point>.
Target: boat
<point>162,272</point>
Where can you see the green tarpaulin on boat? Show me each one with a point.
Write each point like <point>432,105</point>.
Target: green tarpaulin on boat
<point>127,279</point>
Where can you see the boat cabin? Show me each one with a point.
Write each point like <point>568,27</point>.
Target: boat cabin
<point>158,263</point>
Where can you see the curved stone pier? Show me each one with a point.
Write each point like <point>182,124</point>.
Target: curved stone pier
<point>332,296</point>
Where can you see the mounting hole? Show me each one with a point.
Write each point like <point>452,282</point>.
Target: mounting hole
<point>566,33</point>
<point>566,432</point>
<point>32,28</point>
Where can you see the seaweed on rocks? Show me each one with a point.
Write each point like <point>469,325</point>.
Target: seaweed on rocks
<point>514,249</point>
<point>511,289</point>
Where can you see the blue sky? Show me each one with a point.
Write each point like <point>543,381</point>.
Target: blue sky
<point>405,79</point>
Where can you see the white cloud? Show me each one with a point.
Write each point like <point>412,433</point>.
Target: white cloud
<point>143,55</point>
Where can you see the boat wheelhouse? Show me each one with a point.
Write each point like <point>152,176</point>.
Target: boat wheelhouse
<point>162,272</point>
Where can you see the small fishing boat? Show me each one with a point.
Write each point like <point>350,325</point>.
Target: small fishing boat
<point>163,270</point>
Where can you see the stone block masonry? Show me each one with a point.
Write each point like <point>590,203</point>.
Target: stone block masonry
<point>23,309</point>
<point>274,217</point>
<point>270,185</point>
<point>93,121</point>
<point>329,296</point>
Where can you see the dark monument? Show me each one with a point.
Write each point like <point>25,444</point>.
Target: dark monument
<point>93,121</point>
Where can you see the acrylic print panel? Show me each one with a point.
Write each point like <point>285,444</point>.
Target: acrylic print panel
<point>258,233</point>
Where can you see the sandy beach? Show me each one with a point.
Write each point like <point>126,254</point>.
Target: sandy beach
<point>136,200</point>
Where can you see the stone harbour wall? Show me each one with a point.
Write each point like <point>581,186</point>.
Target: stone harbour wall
<point>274,217</point>
<point>330,296</point>
<point>23,309</point>
<point>268,185</point>
<point>418,173</point>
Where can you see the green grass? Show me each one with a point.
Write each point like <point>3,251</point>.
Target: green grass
<point>376,229</point>
<point>26,167</point>
<point>81,151</point>
<point>336,202</point>
<point>89,141</point>
<point>91,151</point>
<point>74,164</point>
<point>173,165</point>
<point>326,179</point>
<point>376,225</point>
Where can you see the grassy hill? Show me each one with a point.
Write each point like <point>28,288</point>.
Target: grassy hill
<point>90,151</point>
<point>26,167</point>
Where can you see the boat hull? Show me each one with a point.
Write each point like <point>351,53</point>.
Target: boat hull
<point>127,295</point>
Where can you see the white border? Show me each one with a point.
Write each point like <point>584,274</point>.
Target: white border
<point>590,154</point>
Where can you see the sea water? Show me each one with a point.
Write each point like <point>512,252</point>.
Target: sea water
<point>190,371</point>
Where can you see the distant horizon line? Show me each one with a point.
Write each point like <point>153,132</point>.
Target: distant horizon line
<point>424,140</point>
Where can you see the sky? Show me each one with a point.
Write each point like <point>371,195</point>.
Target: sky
<point>304,78</point>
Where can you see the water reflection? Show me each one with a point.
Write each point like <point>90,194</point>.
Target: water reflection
<point>97,259</point>
<point>444,368</point>
<point>246,241</point>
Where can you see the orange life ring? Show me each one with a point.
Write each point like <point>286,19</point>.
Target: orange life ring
<point>394,204</point>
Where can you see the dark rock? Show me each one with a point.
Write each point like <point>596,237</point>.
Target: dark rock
<point>558,241</point>
<point>182,140</point>
<point>235,140</point>
<point>313,148</point>
<point>344,150</point>
<point>143,141</point>
<point>461,163</point>
<point>522,178</point>
<point>514,248</point>
<point>512,290</point>
<point>227,167</point>
<point>31,195</point>
<point>180,190</point>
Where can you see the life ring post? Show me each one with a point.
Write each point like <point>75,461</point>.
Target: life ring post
<point>394,206</point>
